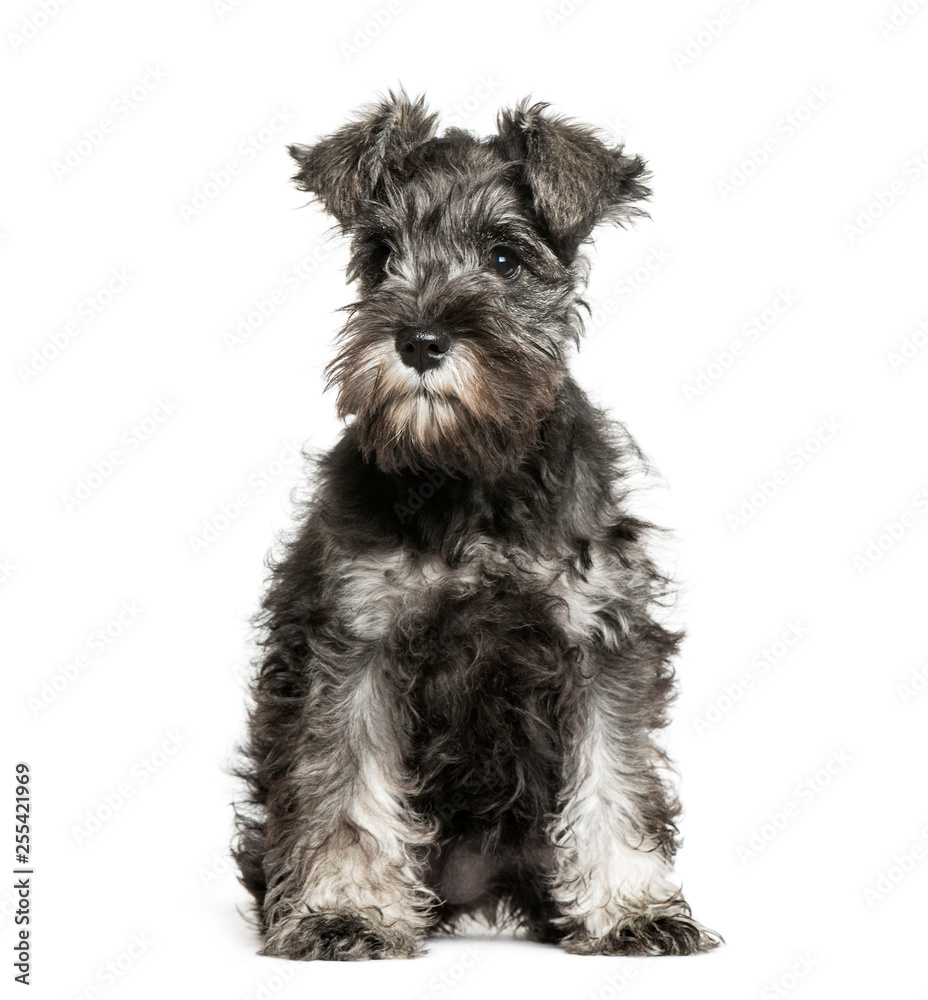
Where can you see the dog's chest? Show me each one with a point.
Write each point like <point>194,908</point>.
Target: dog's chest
<point>482,653</point>
<point>493,596</point>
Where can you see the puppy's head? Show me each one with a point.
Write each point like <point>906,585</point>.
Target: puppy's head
<point>465,253</point>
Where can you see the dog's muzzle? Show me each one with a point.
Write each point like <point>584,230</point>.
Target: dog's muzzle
<point>423,349</point>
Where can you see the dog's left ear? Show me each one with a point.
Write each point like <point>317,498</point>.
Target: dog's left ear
<point>348,168</point>
<point>575,180</point>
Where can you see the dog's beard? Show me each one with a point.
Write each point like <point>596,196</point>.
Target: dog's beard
<point>474,415</point>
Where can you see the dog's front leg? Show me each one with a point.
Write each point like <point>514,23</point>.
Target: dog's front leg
<point>342,847</point>
<point>614,835</point>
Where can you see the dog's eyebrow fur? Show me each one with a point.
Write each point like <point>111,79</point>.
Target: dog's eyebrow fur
<point>473,212</point>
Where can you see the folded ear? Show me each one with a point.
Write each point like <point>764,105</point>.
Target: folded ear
<point>347,168</point>
<point>575,180</point>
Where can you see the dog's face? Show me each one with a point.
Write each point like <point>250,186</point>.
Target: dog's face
<point>465,253</point>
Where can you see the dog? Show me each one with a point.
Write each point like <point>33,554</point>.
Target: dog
<point>462,668</point>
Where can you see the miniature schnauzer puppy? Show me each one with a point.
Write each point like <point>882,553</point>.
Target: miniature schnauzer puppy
<point>463,667</point>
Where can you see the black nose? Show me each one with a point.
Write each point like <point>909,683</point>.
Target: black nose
<point>422,349</point>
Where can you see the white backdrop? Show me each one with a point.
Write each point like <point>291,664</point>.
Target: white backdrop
<point>168,311</point>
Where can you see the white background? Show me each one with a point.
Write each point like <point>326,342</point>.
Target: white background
<point>186,195</point>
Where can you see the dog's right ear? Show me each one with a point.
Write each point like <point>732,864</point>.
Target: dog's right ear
<point>348,168</point>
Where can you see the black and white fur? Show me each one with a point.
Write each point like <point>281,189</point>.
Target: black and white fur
<point>462,668</point>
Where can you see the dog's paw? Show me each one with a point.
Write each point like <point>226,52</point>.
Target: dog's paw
<point>338,937</point>
<point>645,934</point>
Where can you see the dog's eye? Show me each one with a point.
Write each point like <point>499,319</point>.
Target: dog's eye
<point>381,258</point>
<point>505,261</point>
